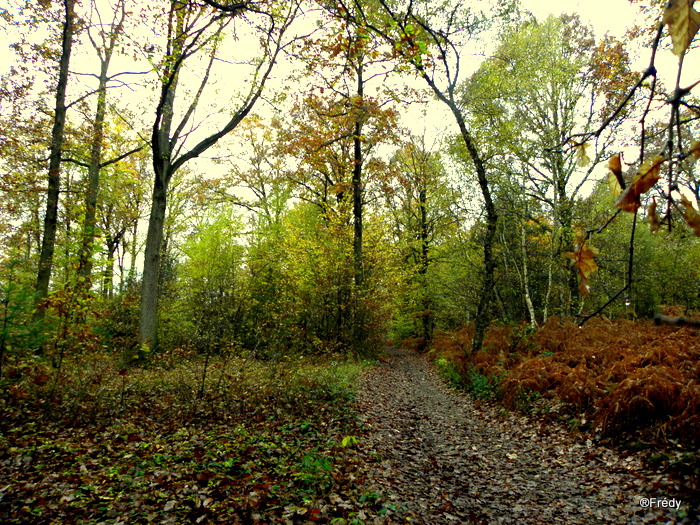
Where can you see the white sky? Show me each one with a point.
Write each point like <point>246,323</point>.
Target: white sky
<point>613,16</point>
<point>606,16</point>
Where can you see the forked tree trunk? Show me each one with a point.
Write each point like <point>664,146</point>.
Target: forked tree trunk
<point>165,144</point>
<point>95,163</point>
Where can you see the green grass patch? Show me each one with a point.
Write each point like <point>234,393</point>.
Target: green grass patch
<point>472,381</point>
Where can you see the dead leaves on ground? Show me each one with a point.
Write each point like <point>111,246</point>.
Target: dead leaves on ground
<point>267,442</point>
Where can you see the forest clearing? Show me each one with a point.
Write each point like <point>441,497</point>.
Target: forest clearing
<point>349,262</point>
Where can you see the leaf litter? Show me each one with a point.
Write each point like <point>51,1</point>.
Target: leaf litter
<point>285,444</point>
<point>446,458</point>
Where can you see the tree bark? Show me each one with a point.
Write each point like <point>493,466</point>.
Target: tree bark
<point>526,278</point>
<point>360,334</point>
<point>427,319</point>
<point>482,320</point>
<point>54,176</point>
<point>151,264</point>
<point>165,144</point>
<point>162,167</point>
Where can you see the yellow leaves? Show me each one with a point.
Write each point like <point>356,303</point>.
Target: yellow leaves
<point>582,158</point>
<point>583,260</point>
<point>614,185</point>
<point>695,149</point>
<point>649,174</point>
<point>691,216</point>
<point>683,23</point>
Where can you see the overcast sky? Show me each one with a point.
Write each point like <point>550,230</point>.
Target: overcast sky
<point>613,16</point>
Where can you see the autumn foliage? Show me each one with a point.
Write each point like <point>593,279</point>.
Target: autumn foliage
<point>626,377</point>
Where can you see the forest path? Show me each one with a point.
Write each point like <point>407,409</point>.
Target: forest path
<point>445,459</point>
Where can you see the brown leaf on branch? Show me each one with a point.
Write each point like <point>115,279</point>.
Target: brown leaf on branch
<point>683,23</point>
<point>584,262</point>
<point>649,174</point>
<point>616,181</point>
<point>654,222</point>
<point>695,149</point>
<point>691,216</point>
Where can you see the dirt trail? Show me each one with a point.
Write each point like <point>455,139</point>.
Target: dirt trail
<point>447,460</point>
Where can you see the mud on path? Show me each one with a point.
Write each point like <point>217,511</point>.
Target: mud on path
<point>447,459</point>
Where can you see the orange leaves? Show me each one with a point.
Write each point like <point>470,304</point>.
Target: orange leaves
<point>683,23</point>
<point>583,260</point>
<point>649,174</point>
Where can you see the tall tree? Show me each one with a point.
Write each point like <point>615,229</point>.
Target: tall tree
<point>104,45</point>
<point>347,65</point>
<point>195,30</point>
<point>54,172</point>
<point>430,38</point>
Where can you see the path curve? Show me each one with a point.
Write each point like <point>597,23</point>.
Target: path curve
<point>447,459</point>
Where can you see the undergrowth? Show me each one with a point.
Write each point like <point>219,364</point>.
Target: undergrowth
<point>184,441</point>
<point>471,380</point>
<point>623,381</point>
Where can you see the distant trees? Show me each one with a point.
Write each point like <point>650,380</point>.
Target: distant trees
<point>194,31</point>
<point>545,81</point>
<point>318,223</point>
<point>418,201</point>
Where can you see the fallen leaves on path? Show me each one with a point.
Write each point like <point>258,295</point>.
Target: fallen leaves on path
<point>447,459</point>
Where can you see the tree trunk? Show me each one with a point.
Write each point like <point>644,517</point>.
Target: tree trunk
<point>94,168</point>
<point>482,320</point>
<point>54,179</point>
<point>526,278</point>
<point>108,276</point>
<point>151,263</point>
<point>162,166</point>
<point>359,332</point>
<point>427,320</point>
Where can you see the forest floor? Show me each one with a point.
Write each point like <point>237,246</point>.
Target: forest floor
<point>449,459</point>
<point>297,441</point>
